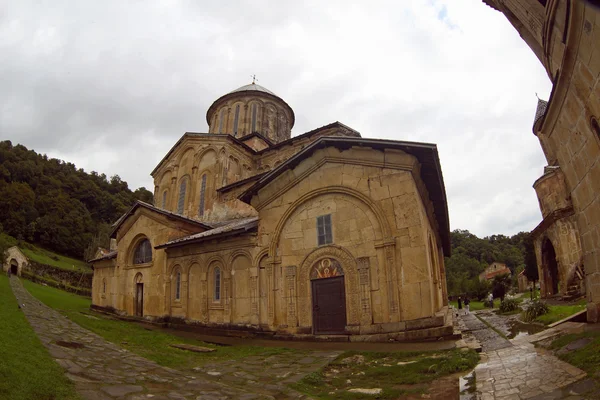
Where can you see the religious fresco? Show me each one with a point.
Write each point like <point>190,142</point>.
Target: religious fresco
<point>326,268</point>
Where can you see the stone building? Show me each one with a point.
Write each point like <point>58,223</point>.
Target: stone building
<point>565,36</point>
<point>252,229</point>
<point>493,270</point>
<point>15,261</point>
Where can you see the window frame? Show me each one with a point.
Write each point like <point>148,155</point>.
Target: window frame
<point>217,286</point>
<point>164,199</point>
<point>178,285</point>
<point>181,197</point>
<point>236,120</point>
<point>254,117</point>
<point>221,118</point>
<point>202,202</point>
<point>141,259</point>
<point>324,230</point>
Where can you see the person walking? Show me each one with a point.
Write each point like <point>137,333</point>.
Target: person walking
<point>459,303</point>
<point>467,302</point>
<point>491,300</point>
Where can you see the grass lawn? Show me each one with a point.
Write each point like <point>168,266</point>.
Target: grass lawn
<point>587,358</point>
<point>397,374</point>
<point>560,312</point>
<point>152,344</point>
<point>26,369</point>
<point>476,305</point>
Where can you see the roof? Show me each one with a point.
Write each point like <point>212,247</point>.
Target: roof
<point>255,87</point>
<point>540,110</point>
<point>252,87</point>
<point>426,154</point>
<point>150,207</point>
<point>231,228</point>
<point>241,182</point>
<point>501,271</point>
<point>107,256</point>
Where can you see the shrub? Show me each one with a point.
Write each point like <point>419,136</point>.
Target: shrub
<point>535,309</point>
<point>509,305</point>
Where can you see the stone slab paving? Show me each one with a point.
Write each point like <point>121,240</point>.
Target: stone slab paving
<point>102,370</point>
<point>517,370</point>
<point>489,339</point>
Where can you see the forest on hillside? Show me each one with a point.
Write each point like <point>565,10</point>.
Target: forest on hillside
<point>471,255</point>
<point>58,206</point>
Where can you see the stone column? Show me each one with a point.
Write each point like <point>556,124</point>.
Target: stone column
<point>290,295</point>
<point>364,281</point>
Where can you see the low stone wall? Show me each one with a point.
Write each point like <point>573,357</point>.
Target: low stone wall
<point>71,281</point>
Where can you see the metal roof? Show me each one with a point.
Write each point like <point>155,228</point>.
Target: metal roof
<point>253,86</point>
<point>244,224</point>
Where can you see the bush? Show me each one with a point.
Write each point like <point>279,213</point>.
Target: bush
<point>509,305</point>
<point>535,309</point>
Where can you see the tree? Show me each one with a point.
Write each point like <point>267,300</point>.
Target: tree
<point>531,268</point>
<point>500,286</point>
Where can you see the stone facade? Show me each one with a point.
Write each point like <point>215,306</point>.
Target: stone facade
<point>15,261</point>
<point>494,269</point>
<point>324,233</point>
<point>564,35</point>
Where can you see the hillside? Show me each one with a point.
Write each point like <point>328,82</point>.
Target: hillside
<point>471,255</point>
<point>51,203</point>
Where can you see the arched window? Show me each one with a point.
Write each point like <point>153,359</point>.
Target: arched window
<point>221,116</point>
<point>178,286</point>
<point>181,200</point>
<point>143,252</point>
<point>236,119</point>
<point>202,195</point>
<point>164,199</point>
<point>254,111</point>
<point>217,284</point>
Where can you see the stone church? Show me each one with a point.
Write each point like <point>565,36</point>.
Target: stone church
<point>325,233</point>
<point>565,37</point>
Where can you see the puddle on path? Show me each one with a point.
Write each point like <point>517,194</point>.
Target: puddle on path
<point>467,386</point>
<point>518,329</point>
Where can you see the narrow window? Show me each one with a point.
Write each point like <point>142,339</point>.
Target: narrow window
<point>254,117</point>
<point>143,252</point>
<point>104,286</point>
<point>164,199</point>
<point>217,284</point>
<point>324,234</point>
<point>181,196</point>
<point>595,126</point>
<point>178,286</point>
<point>202,195</point>
<point>221,120</point>
<point>235,120</point>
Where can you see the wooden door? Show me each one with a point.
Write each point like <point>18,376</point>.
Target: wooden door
<point>139,299</point>
<point>329,305</point>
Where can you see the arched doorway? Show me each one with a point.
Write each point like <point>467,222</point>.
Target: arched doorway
<point>139,295</point>
<point>14,267</point>
<point>328,297</point>
<point>550,266</point>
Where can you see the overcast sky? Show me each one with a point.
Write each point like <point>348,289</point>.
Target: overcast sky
<point>112,85</point>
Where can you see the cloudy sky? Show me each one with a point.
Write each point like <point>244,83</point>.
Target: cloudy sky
<point>112,85</point>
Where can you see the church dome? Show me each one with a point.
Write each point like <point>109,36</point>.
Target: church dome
<point>250,109</point>
<point>253,86</point>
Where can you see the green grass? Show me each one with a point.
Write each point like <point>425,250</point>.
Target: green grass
<point>43,256</point>
<point>586,358</point>
<point>476,305</point>
<point>152,344</point>
<point>560,312</point>
<point>381,370</point>
<point>26,369</point>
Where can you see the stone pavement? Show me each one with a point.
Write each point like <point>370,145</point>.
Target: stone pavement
<point>102,370</point>
<point>517,370</point>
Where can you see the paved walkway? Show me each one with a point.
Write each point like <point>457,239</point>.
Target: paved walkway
<point>515,369</point>
<point>102,370</point>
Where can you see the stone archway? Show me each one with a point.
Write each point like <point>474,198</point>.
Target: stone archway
<point>14,267</point>
<point>328,293</point>
<point>550,268</point>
